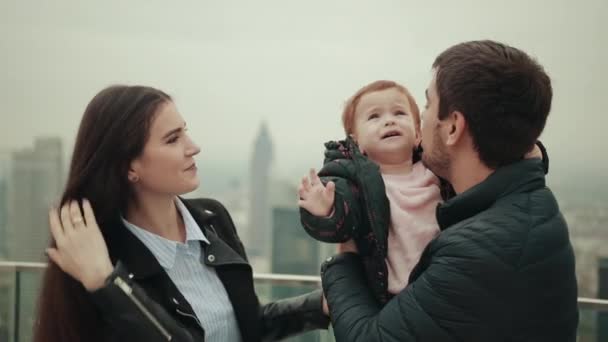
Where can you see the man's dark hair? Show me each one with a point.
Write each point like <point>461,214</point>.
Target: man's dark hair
<point>504,95</point>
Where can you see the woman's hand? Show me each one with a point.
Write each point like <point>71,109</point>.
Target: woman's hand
<point>80,248</point>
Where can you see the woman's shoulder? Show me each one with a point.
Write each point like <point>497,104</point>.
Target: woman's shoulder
<point>209,209</point>
<point>214,212</point>
<point>210,205</point>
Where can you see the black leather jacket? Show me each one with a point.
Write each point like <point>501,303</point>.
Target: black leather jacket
<point>139,302</point>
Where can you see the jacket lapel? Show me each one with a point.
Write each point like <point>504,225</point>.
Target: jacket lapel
<point>231,267</point>
<point>149,274</point>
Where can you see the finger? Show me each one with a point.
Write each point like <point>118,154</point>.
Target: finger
<point>66,221</point>
<point>89,216</point>
<point>302,193</point>
<point>305,183</point>
<point>54,255</point>
<point>76,215</point>
<point>313,177</point>
<point>330,189</point>
<point>318,182</point>
<point>55,225</point>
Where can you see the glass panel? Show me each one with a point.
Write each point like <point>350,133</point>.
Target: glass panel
<point>268,291</point>
<point>7,305</point>
<point>18,294</point>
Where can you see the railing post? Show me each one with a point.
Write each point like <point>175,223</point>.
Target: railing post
<point>602,317</point>
<point>17,304</point>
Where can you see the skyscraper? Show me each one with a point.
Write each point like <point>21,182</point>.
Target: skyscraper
<point>37,180</point>
<point>259,237</point>
<point>293,252</point>
<point>4,182</point>
<point>36,183</point>
<point>6,278</point>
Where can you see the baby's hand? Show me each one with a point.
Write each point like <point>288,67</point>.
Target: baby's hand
<point>315,197</point>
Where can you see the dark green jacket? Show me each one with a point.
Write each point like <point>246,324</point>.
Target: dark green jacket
<point>361,210</point>
<point>502,269</point>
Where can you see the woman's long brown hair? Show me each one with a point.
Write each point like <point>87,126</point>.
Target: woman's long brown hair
<point>112,133</point>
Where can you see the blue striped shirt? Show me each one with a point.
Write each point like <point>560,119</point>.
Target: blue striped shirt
<point>197,282</point>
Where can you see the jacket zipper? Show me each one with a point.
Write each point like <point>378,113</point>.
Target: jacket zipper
<point>189,315</point>
<point>129,292</point>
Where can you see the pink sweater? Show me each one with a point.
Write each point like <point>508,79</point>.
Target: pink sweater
<point>413,199</point>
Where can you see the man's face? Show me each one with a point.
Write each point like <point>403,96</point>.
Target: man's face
<point>435,155</point>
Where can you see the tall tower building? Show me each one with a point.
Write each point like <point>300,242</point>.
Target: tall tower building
<point>259,241</point>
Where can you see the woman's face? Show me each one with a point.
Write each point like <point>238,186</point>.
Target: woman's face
<point>166,165</point>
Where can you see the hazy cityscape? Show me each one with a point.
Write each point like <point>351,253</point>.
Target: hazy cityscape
<point>261,86</point>
<point>263,208</point>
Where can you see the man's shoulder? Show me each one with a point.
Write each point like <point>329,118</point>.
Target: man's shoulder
<point>511,225</point>
<point>520,209</point>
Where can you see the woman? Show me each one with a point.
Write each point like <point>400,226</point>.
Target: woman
<point>150,266</point>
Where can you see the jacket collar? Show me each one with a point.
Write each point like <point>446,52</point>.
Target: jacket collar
<point>163,249</point>
<point>523,176</point>
<point>123,245</point>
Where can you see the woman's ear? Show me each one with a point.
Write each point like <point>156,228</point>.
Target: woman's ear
<point>132,174</point>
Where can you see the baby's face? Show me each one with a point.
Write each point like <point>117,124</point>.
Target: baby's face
<point>385,127</point>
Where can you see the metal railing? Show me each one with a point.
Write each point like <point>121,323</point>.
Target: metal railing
<point>20,270</point>
<point>277,279</point>
<point>590,307</point>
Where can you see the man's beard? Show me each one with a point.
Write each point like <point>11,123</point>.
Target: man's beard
<point>437,160</point>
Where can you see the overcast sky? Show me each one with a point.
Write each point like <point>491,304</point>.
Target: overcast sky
<point>231,64</point>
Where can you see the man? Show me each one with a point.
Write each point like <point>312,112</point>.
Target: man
<point>502,268</point>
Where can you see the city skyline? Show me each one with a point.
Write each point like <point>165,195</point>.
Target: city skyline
<point>587,220</point>
<point>229,70</point>
<point>281,70</point>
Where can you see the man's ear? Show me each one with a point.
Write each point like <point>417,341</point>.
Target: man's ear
<point>456,125</point>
